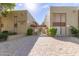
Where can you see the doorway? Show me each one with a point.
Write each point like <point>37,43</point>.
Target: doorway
<point>59,22</point>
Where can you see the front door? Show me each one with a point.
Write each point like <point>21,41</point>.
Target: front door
<point>59,21</point>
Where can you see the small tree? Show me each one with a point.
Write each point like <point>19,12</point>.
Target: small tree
<point>5,8</point>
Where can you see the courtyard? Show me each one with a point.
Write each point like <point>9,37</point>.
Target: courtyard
<point>40,46</point>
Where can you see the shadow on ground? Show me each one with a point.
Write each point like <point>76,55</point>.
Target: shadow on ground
<point>68,39</point>
<point>18,47</point>
<point>27,46</point>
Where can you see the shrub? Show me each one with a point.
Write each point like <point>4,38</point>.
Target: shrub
<point>6,32</point>
<point>12,33</point>
<point>29,31</point>
<point>3,36</point>
<point>74,31</point>
<point>52,31</point>
<point>9,33</point>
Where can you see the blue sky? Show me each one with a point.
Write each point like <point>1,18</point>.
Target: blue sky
<point>39,10</point>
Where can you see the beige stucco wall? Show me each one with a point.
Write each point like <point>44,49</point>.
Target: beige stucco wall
<point>30,19</point>
<point>22,17</point>
<point>71,16</point>
<point>47,19</point>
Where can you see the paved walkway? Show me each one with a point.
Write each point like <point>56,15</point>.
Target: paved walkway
<point>17,47</point>
<point>58,46</point>
<point>40,46</point>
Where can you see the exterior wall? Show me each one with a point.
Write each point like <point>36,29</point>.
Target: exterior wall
<point>19,17</point>
<point>47,19</point>
<point>71,16</point>
<point>30,19</point>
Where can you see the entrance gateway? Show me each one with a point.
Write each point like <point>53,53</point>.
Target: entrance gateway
<point>59,22</point>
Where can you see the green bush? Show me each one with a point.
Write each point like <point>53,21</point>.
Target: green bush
<point>52,31</point>
<point>9,33</point>
<point>3,36</point>
<point>29,31</point>
<point>74,31</point>
<point>6,32</point>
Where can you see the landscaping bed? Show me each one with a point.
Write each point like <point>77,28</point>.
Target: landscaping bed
<point>74,31</point>
<point>52,31</point>
<point>5,34</point>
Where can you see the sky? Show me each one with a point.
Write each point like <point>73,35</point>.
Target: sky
<point>39,10</point>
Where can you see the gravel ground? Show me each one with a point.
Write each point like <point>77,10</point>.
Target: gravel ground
<point>40,46</point>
